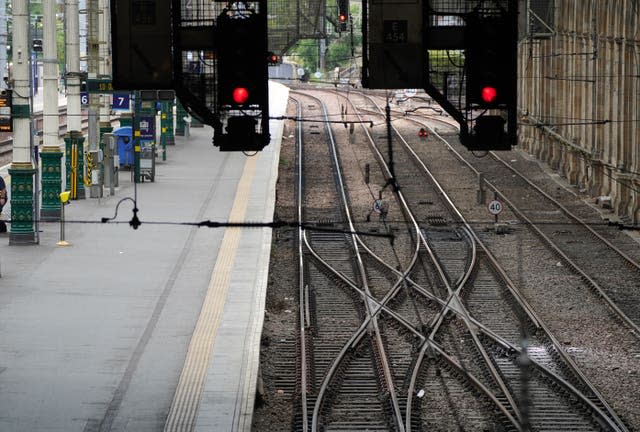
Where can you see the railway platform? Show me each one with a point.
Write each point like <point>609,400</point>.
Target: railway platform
<point>150,329</point>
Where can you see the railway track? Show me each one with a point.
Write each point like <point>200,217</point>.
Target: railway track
<point>348,367</point>
<point>600,412</point>
<point>600,254</point>
<point>429,331</point>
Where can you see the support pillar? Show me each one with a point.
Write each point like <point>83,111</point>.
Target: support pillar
<point>22,170</point>
<point>51,155</point>
<point>74,152</point>
<point>22,214</point>
<point>51,183</point>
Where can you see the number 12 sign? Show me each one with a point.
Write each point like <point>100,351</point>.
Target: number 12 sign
<point>121,101</point>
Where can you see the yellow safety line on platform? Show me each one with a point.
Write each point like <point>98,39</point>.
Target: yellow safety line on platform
<point>186,401</point>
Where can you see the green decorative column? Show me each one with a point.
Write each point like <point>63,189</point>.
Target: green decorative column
<point>51,183</point>
<point>22,170</point>
<point>74,159</point>
<point>22,216</point>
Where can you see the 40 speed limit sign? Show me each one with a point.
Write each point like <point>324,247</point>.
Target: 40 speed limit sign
<point>495,207</point>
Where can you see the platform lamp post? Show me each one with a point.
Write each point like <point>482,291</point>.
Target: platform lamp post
<point>22,169</point>
<point>51,154</point>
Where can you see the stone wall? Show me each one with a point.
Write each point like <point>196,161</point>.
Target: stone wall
<point>579,96</point>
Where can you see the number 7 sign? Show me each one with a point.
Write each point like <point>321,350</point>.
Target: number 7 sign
<point>121,101</point>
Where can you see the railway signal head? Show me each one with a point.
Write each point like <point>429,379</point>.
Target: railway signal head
<point>343,14</point>
<point>490,64</point>
<point>240,95</point>
<point>36,45</point>
<point>422,133</point>
<point>273,59</point>
<point>242,69</point>
<point>242,86</point>
<point>489,94</point>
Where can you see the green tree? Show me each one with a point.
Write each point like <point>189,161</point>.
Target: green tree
<point>339,46</point>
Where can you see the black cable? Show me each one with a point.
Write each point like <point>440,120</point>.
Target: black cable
<point>309,226</point>
<point>370,123</point>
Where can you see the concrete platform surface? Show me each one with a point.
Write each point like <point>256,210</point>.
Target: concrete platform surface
<point>99,335</point>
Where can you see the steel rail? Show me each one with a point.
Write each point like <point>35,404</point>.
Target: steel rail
<point>546,239</point>
<point>302,291</point>
<point>612,416</point>
<point>381,352</point>
<point>380,345</point>
<point>453,293</point>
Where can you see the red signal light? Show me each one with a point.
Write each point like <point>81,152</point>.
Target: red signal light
<point>422,133</point>
<point>489,94</point>
<point>342,18</point>
<point>273,59</point>
<point>240,95</point>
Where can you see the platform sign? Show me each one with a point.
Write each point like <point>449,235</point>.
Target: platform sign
<point>148,128</point>
<point>84,99</point>
<point>395,31</point>
<point>102,85</point>
<point>6,119</point>
<point>121,101</point>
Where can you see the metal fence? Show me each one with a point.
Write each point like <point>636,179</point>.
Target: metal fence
<point>290,21</point>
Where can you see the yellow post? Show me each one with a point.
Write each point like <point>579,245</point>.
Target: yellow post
<point>64,199</point>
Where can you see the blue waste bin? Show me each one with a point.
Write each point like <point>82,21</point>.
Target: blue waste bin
<point>125,146</point>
